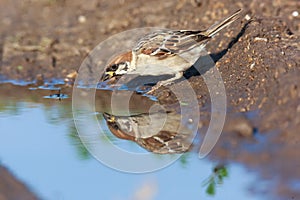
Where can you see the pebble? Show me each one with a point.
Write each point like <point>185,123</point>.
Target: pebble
<point>71,77</point>
<point>260,39</point>
<point>295,14</point>
<point>247,17</point>
<point>252,66</point>
<point>81,19</point>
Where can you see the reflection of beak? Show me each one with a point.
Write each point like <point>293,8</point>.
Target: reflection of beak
<point>108,75</point>
<point>109,118</point>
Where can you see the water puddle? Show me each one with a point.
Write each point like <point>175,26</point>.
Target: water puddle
<point>40,145</point>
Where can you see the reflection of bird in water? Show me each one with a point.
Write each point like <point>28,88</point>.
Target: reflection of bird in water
<point>164,52</point>
<point>152,132</point>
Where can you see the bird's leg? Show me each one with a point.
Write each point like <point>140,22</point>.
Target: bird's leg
<point>166,82</point>
<point>170,80</point>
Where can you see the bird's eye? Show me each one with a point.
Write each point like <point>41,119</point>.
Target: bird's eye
<point>114,67</point>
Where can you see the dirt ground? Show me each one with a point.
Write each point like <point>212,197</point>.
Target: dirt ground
<point>10,188</point>
<point>258,60</point>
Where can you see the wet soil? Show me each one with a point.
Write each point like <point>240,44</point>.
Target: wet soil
<point>258,60</point>
<point>11,188</point>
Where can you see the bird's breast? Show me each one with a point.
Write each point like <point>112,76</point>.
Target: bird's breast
<point>153,66</point>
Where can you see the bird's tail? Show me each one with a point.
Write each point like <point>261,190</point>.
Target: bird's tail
<point>214,29</point>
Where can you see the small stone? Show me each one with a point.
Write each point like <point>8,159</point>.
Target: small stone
<point>81,19</point>
<point>247,17</point>
<point>252,66</point>
<point>72,75</point>
<point>70,78</point>
<point>260,39</point>
<point>243,110</point>
<point>295,14</point>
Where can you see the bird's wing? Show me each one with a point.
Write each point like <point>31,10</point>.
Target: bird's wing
<point>165,43</point>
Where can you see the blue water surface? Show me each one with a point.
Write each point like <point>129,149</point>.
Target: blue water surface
<point>38,144</point>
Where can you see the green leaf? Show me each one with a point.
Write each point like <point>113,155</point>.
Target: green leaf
<point>211,189</point>
<point>223,172</point>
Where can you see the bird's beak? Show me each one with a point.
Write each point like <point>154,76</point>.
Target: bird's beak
<point>109,118</point>
<point>108,75</point>
<point>112,119</point>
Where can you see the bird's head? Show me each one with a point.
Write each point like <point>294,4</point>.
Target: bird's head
<point>115,128</point>
<point>115,70</point>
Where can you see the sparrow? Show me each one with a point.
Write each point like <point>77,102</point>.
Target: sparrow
<point>164,52</point>
<point>151,132</point>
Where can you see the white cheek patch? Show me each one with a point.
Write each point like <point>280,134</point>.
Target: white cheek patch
<point>120,72</point>
<point>122,69</point>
